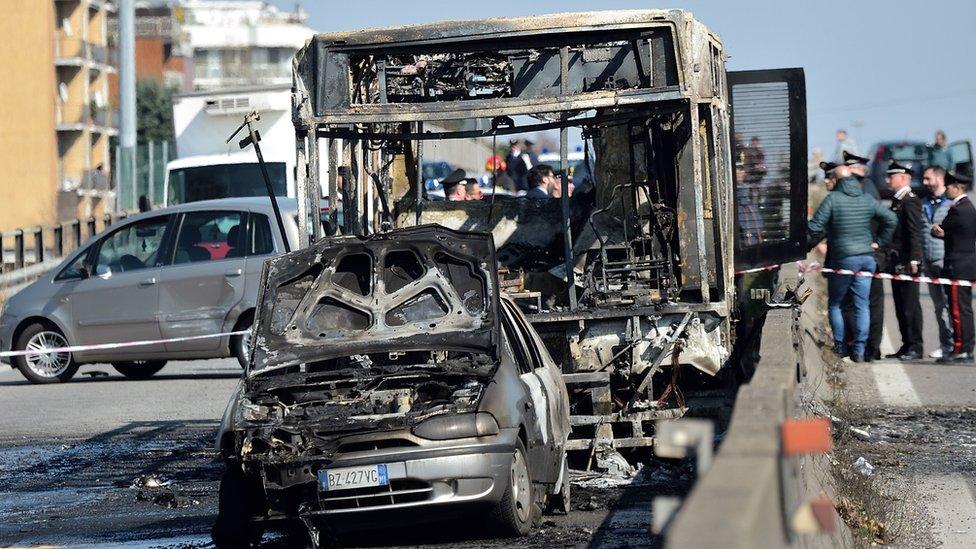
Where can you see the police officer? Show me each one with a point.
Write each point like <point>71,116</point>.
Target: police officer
<point>904,256</point>
<point>958,229</point>
<point>859,167</point>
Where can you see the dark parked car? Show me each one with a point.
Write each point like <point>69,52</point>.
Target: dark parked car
<point>389,375</point>
<point>915,155</point>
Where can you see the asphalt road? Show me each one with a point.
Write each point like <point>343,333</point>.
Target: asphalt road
<point>71,456</point>
<point>922,420</point>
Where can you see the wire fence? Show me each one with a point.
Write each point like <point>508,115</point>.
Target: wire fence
<point>142,174</point>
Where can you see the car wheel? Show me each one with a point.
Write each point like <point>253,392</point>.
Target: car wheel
<point>44,367</point>
<point>516,511</point>
<point>239,344</point>
<point>241,497</point>
<point>139,369</point>
<point>560,503</point>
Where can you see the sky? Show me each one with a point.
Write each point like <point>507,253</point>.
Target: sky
<point>883,70</point>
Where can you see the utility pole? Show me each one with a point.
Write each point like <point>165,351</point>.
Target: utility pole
<point>127,98</point>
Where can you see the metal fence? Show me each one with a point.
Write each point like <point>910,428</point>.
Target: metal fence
<point>142,175</point>
<point>29,253</point>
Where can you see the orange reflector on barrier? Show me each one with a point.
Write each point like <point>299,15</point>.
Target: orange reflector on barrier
<point>806,436</point>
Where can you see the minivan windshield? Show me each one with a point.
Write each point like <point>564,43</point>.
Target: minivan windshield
<point>196,183</point>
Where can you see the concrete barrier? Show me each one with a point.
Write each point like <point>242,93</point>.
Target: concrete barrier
<point>753,496</point>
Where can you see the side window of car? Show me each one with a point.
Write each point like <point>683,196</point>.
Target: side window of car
<point>75,270</point>
<point>261,241</point>
<point>525,332</point>
<point>518,344</point>
<point>132,247</point>
<point>209,236</point>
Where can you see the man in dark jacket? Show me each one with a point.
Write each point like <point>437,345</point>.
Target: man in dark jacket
<point>859,169</point>
<point>905,257</point>
<point>845,217</point>
<point>959,231</point>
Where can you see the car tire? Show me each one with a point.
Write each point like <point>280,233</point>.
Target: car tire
<point>241,497</point>
<point>517,510</point>
<point>49,368</point>
<point>139,369</point>
<point>239,344</point>
<point>561,503</point>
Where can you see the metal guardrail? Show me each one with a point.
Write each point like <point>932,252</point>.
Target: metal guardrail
<point>764,488</point>
<point>29,253</point>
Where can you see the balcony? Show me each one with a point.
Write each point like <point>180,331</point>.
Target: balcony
<point>69,51</point>
<point>75,116</point>
<point>72,116</point>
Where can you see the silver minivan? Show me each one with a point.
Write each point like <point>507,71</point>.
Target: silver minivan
<point>170,274</point>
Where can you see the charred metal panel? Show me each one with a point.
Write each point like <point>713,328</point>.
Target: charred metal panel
<point>411,289</point>
<point>769,128</point>
<point>504,58</point>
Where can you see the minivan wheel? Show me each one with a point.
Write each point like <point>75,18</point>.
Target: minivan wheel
<point>561,503</point>
<point>139,369</point>
<point>517,510</point>
<point>239,344</point>
<point>44,367</point>
<point>241,498</point>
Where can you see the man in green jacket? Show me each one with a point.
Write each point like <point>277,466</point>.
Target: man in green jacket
<point>844,218</point>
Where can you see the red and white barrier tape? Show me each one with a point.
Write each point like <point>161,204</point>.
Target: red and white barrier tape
<point>814,266</point>
<point>99,346</point>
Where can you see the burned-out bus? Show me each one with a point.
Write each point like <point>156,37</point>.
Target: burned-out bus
<point>692,174</point>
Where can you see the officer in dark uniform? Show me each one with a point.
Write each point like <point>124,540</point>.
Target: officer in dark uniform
<point>859,167</point>
<point>959,231</point>
<point>904,256</point>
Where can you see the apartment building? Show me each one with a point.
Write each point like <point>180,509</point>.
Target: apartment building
<point>55,114</point>
<point>242,43</point>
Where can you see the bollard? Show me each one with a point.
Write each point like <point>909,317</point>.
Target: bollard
<point>106,221</point>
<point>19,249</point>
<point>91,227</point>
<point>76,233</point>
<point>678,439</point>
<point>38,245</point>
<point>59,239</point>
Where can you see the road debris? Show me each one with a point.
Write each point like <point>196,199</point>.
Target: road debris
<point>862,466</point>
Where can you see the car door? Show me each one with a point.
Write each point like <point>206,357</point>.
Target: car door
<point>119,301</point>
<point>961,156</point>
<point>259,247</point>
<point>204,280</point>
<point>545,449</point>
<point>769,129</point>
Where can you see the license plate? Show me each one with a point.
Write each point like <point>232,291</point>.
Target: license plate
<point>345,478</point>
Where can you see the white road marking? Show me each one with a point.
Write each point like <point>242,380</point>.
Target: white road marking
<point>894,386</point>
<point>886,347</point>
<point>952,508</point>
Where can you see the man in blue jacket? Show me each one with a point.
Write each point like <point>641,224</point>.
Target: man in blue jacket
<point>844,218</point>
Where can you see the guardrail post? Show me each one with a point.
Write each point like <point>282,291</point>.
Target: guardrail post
<point>59,240</point>
<point>38,245</point>
<point>91,227</point>
<point>76,233</point>
<point>19,249</point>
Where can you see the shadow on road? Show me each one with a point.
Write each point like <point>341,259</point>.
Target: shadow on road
<point>110,378</point>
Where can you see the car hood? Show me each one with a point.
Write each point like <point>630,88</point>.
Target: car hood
<point>417,288</point>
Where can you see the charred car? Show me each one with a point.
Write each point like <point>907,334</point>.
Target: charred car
<point>387,374</point>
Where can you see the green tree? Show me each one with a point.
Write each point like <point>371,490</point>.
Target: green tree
<point>154,112</point>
